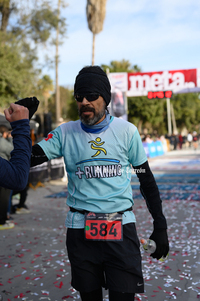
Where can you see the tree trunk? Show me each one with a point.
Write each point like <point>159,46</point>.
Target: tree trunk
<point>56,63</point>
<point>169,117</point>
<point>93,48</point>
<point>46,96</point>
<point>5,11</point>
<point>175,131</point>
<point>96,11</point>
<point>140,126</point>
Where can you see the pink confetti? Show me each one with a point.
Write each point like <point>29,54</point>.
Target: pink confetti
<point>160,288</point>
<point>20,255</point>
<point>8,265</point>
<point>60,285</point>
<point>19,296</point>
<point>167,268</point>
<point>38,277</point>
<point>66,297</point>
<point>45,293</point>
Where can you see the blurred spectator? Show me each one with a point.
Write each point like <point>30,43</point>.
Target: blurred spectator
<point>33,136</point>
<point>148,139</point>
<point>174,141</point>
<point>184,141</point>
<point>6,147</point>
<point>189,139</point>
<point>180,139</point>
<point>164,143</point>
<point>21,207</point>
<point>195,140</point>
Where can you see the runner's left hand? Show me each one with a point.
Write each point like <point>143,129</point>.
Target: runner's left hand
<point>162,244</point>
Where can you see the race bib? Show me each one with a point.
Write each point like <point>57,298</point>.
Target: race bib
<point>103,226</point>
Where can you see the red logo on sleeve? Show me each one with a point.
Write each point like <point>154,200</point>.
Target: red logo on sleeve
<point>49,137</point>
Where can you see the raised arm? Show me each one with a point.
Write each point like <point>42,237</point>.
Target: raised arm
<point>14,173</point>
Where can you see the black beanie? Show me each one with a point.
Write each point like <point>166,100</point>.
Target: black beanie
<point>92,79</point>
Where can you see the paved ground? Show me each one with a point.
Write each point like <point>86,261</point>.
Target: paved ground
<point>33,259</point>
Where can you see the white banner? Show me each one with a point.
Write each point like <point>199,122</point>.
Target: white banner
<point>118,81</point>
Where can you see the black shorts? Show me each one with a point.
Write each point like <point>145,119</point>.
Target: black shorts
<point>115,265</point>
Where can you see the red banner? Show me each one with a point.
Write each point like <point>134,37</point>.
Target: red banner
<point>139,84</point>
<point>176,80</point>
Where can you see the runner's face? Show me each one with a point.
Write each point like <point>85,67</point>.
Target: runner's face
<point>91,112</point>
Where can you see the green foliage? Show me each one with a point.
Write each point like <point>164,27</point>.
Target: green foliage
<point>20,35</point>
<point>73,111</point>
<point>66,96</point>
<point>187,110</point>
<point>17,75</point>
<point>40,23</point>
<point>67,103</point>
<point>146,113</point>
<point>121,66</point>
<point>45,84</point>
<point>152,114</point>
<point>43,89</point>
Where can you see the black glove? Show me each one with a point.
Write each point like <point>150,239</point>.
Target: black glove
<point>31,103</point>
<point>162,244</point>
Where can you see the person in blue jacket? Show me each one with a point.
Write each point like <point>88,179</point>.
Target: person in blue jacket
<point>14,173</point>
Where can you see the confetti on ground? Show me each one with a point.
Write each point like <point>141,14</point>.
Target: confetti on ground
<point>33,260</point>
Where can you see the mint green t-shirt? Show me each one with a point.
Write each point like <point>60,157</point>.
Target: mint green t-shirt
<point>98,166</point>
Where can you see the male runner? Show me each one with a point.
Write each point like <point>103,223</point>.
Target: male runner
<point>99,151</point>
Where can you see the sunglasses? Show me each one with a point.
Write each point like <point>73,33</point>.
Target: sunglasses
<point>89,97</point>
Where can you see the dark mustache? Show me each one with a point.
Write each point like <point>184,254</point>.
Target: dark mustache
<point>86,109</point>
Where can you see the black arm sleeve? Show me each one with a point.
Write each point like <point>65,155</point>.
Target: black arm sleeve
<point>150,192</point>
<point>38,155</point>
